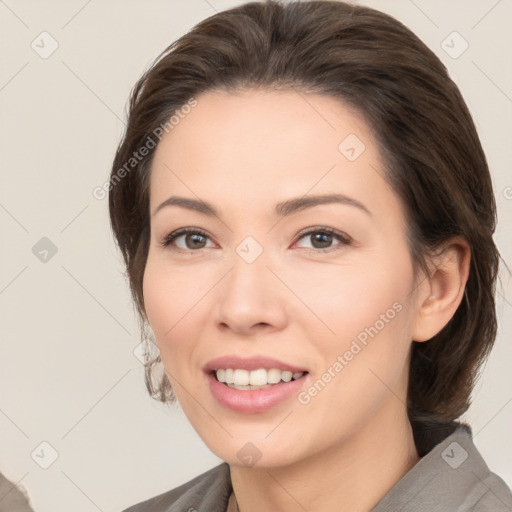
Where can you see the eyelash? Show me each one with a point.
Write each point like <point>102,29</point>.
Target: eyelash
<point>344,239</point>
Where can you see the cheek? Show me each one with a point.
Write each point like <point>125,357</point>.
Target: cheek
<point>169,293</point>
<point>175,300</point>
<point>367,355</point>
<point>346,299</point>
<point>364,336</point>
<point>166,296</point>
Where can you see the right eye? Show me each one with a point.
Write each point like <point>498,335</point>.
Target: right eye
<point>187,239</point>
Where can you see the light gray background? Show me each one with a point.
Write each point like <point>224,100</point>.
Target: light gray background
<point>68,374</point>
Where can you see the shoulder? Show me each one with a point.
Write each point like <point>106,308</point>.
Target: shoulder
<point>480,489</point>
<point>451,476</point>
<point>495,496</point>
<point>12,497</point>
<point>208,491</point>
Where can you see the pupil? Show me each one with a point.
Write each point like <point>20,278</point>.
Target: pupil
<point>323,238</point>
<point>196,239</point>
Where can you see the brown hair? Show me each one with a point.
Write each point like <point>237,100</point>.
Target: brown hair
<point>427,138</point>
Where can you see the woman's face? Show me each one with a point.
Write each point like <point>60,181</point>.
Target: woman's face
<point>265,286</point>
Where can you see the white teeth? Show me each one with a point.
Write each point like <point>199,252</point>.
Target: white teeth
<point>273,376</point>
<point>245,388</point>
<point>255,378</point>
<point>240,377</point>
<point>258,377</point>
<point>286,376</point>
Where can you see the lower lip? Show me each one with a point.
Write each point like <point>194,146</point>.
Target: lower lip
<point>253,400</point>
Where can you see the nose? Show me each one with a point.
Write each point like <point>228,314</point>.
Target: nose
<point>250,299</point>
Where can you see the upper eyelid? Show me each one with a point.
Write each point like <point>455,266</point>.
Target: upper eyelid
<point>177,233</point>
<point>339,235</point>
<point>317,229</point>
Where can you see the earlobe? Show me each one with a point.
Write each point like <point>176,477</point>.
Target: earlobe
<point>443,291</point>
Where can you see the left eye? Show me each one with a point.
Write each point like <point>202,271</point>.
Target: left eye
<point>323,238</point>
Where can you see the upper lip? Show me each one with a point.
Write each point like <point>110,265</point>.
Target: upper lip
<point>249,363</point>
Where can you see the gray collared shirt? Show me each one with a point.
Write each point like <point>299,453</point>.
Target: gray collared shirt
<point>12,498</point>
<point>451,477</point>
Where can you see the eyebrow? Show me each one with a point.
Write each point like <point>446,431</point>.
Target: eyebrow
<point>282,209</point>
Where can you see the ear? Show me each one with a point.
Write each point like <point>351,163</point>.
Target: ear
<point>440,295</point>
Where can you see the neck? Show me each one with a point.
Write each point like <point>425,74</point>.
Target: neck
<point>352,476</point>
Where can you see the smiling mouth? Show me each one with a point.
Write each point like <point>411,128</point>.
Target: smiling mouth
<point>261,378</point>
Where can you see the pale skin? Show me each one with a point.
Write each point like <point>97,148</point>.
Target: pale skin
<point>243,154</point>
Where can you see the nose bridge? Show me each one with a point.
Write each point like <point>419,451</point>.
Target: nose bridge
<point>248,280</point>
<point>249,294</point>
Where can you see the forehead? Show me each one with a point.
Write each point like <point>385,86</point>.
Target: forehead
<point>267,144</point>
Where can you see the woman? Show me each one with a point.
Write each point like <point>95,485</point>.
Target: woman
<point>306,216</point>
